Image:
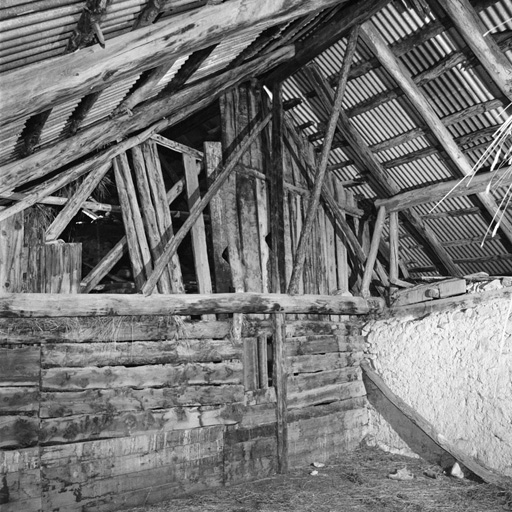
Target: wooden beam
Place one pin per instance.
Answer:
(394, 244)
(372, 253)
(83, 108)
(280, 378)
(76, 202)
(453, 188)
(25, 305)
(469, 25)
(88, 26)
(366, 160)
(381, 397)
(31, 134)
(314, 200)
(149, 13)
(396, 69)
(173, 244)
(72, 75)
(161, 112)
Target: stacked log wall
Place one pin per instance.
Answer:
(108, 414)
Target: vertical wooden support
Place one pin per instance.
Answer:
(341, 244)
(262, 361)
(221, 269)
(161, 203)
(374, 249)
(280, 382)
(251, 364)
(198, 232)
(136, 237)
(62, 268)
(11, 248)
(393, 247)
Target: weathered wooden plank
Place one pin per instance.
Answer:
(146, 444)
(250, 363)
(141, 376)
(138, 353)
(18, 431)
(312, 381)
(316, 410)
(62, 270)
(112, 424)
(136, 489)
(323, 362)
(323, 344)
(329, 393)
(279, 380)
(18, 399)
(45, 305)
(427, 292)
(106, 401)
(420, 434)
(11, 246)
(19, 366)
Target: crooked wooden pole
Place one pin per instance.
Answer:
(314, 201)
(393, 246)
(372, 253)
(173, 244)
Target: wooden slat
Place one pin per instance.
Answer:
(11, 247)
(197, 232)
(372, 253)
(19, 366)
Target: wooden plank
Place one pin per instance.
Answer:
(75, 202)
(263, 361)
(197, 232)
(106, 401)
(62, 270)
(313, 381)
(18, 399)
(20, 366)
(97, 426)
(11, 247)
(251, 363)
(428, 292)
(323, 362)
(179, 147)
(20, 431)
(394, 245)
(314, 411)
(420, 434)
(314, 200)
(107, 377)
(222, 272)
(138, 352)
(324, 344)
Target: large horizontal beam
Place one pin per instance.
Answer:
(56, 80)
(24, 305)
(453, 188)
(172, 110)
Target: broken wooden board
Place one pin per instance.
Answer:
(429, 291)
(419, 434)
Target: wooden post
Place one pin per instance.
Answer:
(393, 247)
(197, 232)
(279, 377)
(11, 247)
(320, 175)
(372, 254)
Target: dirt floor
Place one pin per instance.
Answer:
(358, 482)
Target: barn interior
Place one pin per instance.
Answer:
(241, 236)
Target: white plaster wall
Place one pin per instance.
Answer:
(454, 368)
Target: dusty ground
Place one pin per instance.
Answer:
(357, 483)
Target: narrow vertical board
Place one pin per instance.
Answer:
(222, 272)
(198, 233)
(342, 268)
(63, 267)
(11, 247)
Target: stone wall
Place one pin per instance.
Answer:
(454, 368)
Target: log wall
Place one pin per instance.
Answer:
(108, 414)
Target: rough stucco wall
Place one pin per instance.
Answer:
(454, 368)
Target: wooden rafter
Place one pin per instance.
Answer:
(31, 135)
(88, 26)
(129, 54)
(366, 160)
(469, 25)
(396, 69)
(149, 13)
(183, 104)
(314, 200)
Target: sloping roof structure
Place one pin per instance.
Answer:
(82, 81)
